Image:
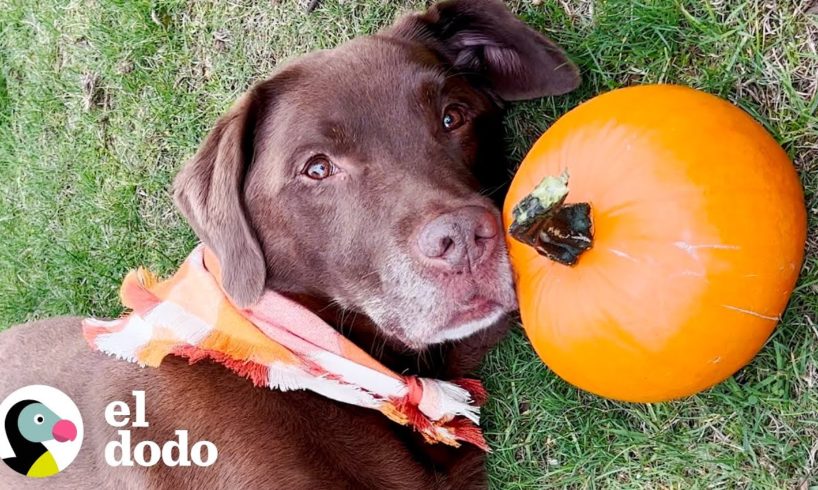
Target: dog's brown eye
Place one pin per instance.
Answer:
(453, 117)
(319, 168)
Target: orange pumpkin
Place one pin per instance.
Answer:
(685, 224)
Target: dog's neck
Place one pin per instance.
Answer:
(444, 361)
(363, 332)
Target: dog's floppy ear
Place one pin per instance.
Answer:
(209, 192)
(483, 37)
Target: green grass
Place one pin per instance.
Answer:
(101, 101)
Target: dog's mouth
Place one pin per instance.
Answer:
(452, 323)
(418, 309)
(478, 315)
(477, 310)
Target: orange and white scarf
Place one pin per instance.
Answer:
(279, 344)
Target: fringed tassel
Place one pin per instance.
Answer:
(414, 417)
(405, 411)
(449, 430)
(393, 414)
(444, 400)
(255, 372)
(464, 430)
(475, 389)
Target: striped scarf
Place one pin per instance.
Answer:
(279, 344)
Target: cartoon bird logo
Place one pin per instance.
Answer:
(28, 425)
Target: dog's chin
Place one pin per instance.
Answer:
(418, 312)
(467, 324)
(429, 331)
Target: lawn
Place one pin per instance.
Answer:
(102, 101)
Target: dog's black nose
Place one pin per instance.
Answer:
(460, 240)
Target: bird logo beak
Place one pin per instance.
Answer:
(64, 430)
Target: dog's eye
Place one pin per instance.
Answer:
(453, 117)
(39, 419)
(319, 168)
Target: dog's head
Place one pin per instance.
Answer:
(355, 174)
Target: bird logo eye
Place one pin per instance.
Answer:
(39, 419)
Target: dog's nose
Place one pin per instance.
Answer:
(459, 240)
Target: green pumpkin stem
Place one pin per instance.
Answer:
(559, 231)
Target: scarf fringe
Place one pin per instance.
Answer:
(451, 399)
(257, 373)
(405, 411)
(475, 388)
(467, 432)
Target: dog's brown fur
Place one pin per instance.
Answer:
(373, 107)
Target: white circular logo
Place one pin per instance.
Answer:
(41, 432)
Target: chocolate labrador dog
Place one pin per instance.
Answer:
(351, 180)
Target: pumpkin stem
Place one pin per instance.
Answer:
(559, 231)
